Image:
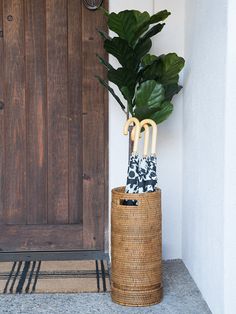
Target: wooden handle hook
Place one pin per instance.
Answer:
(154, 133)
(146, 137)
(137, 131)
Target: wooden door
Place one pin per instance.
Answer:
(53, 127)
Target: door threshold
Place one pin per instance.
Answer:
(54, 256)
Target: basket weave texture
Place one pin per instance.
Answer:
(136, 255)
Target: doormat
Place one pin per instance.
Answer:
(54, 277)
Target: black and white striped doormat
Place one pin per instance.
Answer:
(54, 277)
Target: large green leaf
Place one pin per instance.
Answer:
(127, 93)
(162, 113)
(172, 65)
(171, 80)
(156, 18)
(110, 89)
(164, 69)
(141, 17)
(144, 44)
(126, 23)
(159, 16)
(148, 59)
(123, 77)
(120, 49)
(131, 24)
(148, 99)
(152, 32)
(142, 48)
(153, 71)
(142, 24)
(171, 90)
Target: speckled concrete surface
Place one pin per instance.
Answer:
(181, 296)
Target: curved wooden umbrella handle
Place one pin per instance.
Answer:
(154, 133)
(137, 131)
(146, 137)
(133, 134)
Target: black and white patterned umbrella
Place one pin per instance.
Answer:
(148, 165)
(141, 176)
(133, 167)
(143, 165)
(133, 174)
(147, 178)
(150, 181)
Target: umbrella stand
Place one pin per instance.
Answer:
(136, 245)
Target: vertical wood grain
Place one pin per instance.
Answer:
(15, 118)
(75, 112)
(36, 104)
(105, 232)
(54, 126)
(56, 22)
(1, 116)
(94, 130)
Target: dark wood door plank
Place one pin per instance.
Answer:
(105, 145)
(15, 127)
(36, 102)
(75, 112)
(57, 111)
(2, 148)
(41, 238)
(94, 132)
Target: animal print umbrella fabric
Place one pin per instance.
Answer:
(147, 174)
(132, 178)
(143, 170)
(150, 180)
(133, 175)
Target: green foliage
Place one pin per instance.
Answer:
(147, 82)
(150, 93)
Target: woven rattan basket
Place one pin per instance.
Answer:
(136, 248)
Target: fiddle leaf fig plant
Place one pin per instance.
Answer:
(146, 81)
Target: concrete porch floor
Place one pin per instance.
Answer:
(181, 296)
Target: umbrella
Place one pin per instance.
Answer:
(143, 165)
(133, 167)
(148, 164)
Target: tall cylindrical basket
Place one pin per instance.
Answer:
(136, 250)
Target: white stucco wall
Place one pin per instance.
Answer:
(203, 147)
(196, 145)
(230, 167)
(170, 132)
